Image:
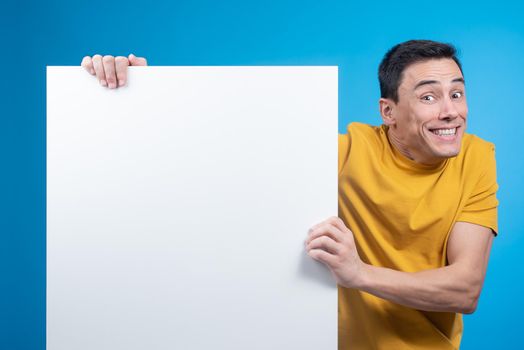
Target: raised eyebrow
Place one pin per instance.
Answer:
(425, 82)
(429, 82)
(459, 80)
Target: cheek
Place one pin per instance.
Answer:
(425, 116)
(462, 108)
(464, 111)
(422, 113)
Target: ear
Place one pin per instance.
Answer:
(386, 107)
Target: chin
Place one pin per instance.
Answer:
(450, 153)
(444, 149)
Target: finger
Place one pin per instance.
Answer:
(325, 230)
(99, 69)
(137, 61)
(121, 64)
(109, 69)
(334, 220)
(323, 256)
(87, 63)
(338, 222)
(325, 243)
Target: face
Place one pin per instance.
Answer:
(428, 121)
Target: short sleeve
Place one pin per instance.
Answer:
(344, 145)
(481, 206)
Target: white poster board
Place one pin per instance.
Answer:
(177, 208)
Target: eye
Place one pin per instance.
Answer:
(457, 95)
(428, 98)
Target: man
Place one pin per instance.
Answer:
(417, 205)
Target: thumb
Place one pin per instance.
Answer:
(137, 61)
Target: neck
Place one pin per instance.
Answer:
(403, 149)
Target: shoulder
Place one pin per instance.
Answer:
(359, 131)
(477, 155)
(356, 136)
(476, 149)
(357, 128)
(474, 144)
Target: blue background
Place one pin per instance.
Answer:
(352, 35)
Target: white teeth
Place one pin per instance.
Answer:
(441, 132)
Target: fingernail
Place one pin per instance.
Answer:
(103, 82)
(121, 82)
(112, 85)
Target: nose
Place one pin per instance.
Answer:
(448, 109)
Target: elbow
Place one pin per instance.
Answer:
(470, 301)
(469, 308)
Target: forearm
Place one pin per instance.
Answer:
(452, 288)
(443, 289)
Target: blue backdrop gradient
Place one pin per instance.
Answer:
(350, 34)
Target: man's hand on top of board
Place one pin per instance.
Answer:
(111, 71)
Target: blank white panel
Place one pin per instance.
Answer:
(178, 205)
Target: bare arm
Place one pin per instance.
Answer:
(453, 288)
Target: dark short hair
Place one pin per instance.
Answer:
(400, 56)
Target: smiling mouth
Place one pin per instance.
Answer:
(445, 132)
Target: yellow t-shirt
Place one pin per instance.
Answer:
(401, 214)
